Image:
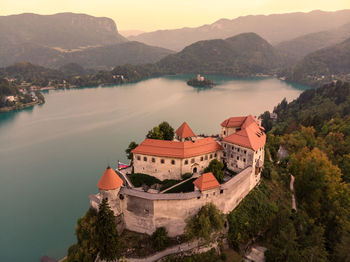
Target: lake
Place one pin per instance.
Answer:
(52, 155)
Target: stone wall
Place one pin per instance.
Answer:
(144, 212)
(172, 168)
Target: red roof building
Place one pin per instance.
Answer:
(206, 181)
(249, 135)
(184, 131)
(176, 149)
(109, 180)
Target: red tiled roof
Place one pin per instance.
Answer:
(184, 131)
(165, 148)
(206, 181)
(250, 136)
(109, 180)
(234, 121)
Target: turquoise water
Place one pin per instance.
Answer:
(52, 156)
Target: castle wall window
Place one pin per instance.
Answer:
(233, 148)
(206, 157)
(243, 159)
(138, 158)
(186, 162)
(162, 161)
(224, 132)
(231, 156)
(237, 157)
(237, 149)
(224, 145)
(215, 154)
(221, 191)
(211, 156)
(173, 162)
(153, 160)
(144, 158)
(224, 154)
(192, 160)
(245, 151)
(201, 158)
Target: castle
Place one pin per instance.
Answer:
(240, 145)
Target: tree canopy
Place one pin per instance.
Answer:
(217, 168)
(163, 131)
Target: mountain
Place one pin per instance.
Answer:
(128, 33)
(274, 28)
(61, 31)
(241, 55)
(301, 46)
(324, 63)
(55, 40)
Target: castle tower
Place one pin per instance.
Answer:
(184, 133)
(109, 186)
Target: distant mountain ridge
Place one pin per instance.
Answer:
(324, 63)
(55, 40)
(274, 28)
(241, 55)
(301, 46)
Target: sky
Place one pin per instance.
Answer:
(150, 15)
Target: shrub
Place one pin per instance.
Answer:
(139, 179)
(186, 176)
(208, 220)
(160, 238)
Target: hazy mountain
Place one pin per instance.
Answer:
(244, 54)
(128, 33)
(55, 40)
(299, 47)
(324, 62)
(274, 28)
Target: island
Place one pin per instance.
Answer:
(200, 81)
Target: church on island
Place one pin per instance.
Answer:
(240, 146)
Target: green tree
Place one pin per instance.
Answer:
(131, 147)
(160, 238)
(167, 130)
(162, 132)
(107, 234)
(208, 220)
(86, 249)
(217, 168)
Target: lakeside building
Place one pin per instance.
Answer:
(240, 145)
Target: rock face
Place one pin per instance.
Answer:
(64, 30)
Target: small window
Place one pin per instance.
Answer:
(221, 191)
(224, 154)
(211, 156)
(233, 148)
(153, 160)
(207, 195)
(144, 158)
(192, 160)
(224, 145)
(138, 158)
(173, 162)
(206, 157)
(201, 158)
(231, 156)
(215, 155)
(237, 157)
(236, 166)
(237, 149)
(245, 151)
(224, 132)
(186, 162)
(243, 159)
(162, 161)
(213, 193)
(199, 197)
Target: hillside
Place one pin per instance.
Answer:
(63, 30)
(324, 63)
(241, 55)
(274, 28)
(54, 40)
(301, 46)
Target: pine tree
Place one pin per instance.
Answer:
(107, 234)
